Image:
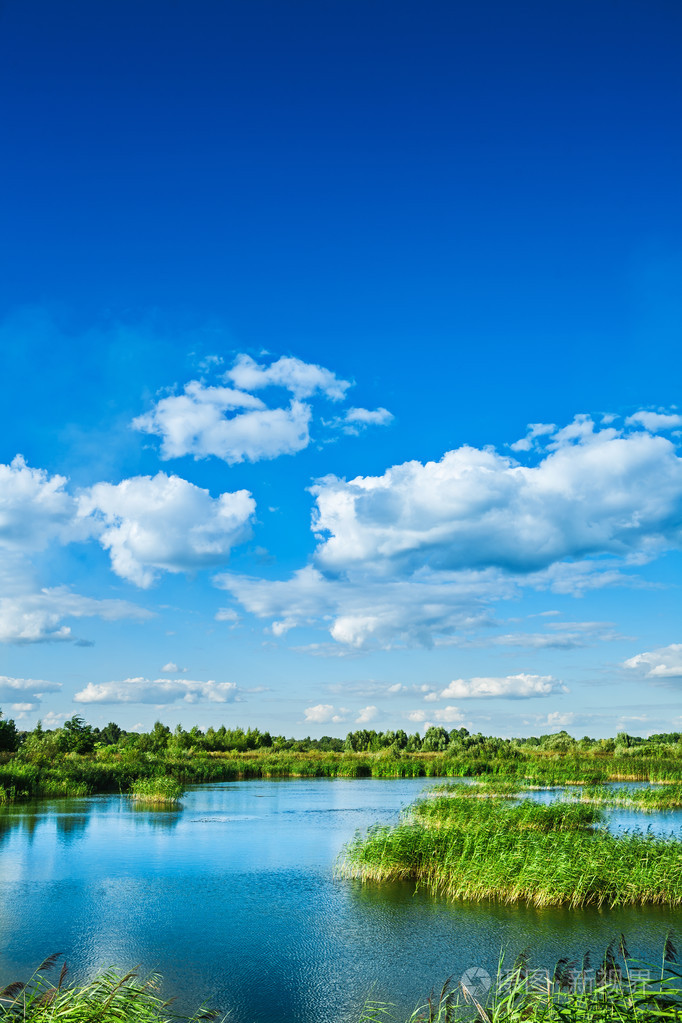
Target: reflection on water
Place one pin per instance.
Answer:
(233, 898)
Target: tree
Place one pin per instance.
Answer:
(76, 736)
(9, 740)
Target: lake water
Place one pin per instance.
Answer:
(233, 899)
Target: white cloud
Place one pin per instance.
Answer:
(54, 720)
(163, 523)
(535, 430)
(654, 421)
(448, 715)
(226, 614)
(418, 716)
(356, 420)
(196, 423)
(665, 662)
(322, 713)
(366, 714)
(520, 686)
(35, 509)
(374, 613)
(556, 720)
(302, 379)
(594, 494)
(159, 692)
(418, 554)
(172, 669)
(445, 716)
(25, 694)
(32, 615)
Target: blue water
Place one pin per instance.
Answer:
(233, 899)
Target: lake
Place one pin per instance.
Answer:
(233, 899)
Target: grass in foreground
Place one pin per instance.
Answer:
(109, 998)
(552, 855)
(618, 990)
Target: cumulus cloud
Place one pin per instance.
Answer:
(366, 715)
(234, 424)
(159, 692)
(416, 611)
(164, 523)
(516, 687)
(665, 662)
(35, 508)
(25, 694)
(418, 554)
(530, 441)
(654, 421)
(197, 423)
(322, 713)
(356, 420)
(301, 379)
(445, 716)
(556, 720)
(594, 494)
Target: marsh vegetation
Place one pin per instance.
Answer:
(553, 855)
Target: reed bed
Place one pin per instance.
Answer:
(617, 989)
(649, 800)
(463, 848)
(109, 998)
(114, 770)
(159, 791)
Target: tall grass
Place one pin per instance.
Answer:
(160, 790)
(651, 800)
(464, 848)
(79, 775)
(618, 989)
(109, 998)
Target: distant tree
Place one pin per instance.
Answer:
(76, 736)
(110, 734)
(9, 740)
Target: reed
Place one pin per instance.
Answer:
(464, 848)
(618, 989)
(651, 800)
(109, 998)
(161, 791)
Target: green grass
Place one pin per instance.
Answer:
(161, 790)
(618, 989)
(109, 998)
(649, 800)
(479, 849)
(112, 770)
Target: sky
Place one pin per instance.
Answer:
(340, 364)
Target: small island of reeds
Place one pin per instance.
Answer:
(477, 849)
(159, 791)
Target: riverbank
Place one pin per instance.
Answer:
(112, 770)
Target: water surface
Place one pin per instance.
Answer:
(233, 898)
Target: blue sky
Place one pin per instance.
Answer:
(283, 286)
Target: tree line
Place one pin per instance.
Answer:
(76, 736)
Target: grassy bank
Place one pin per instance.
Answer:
(112, 770)
(478, 849)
